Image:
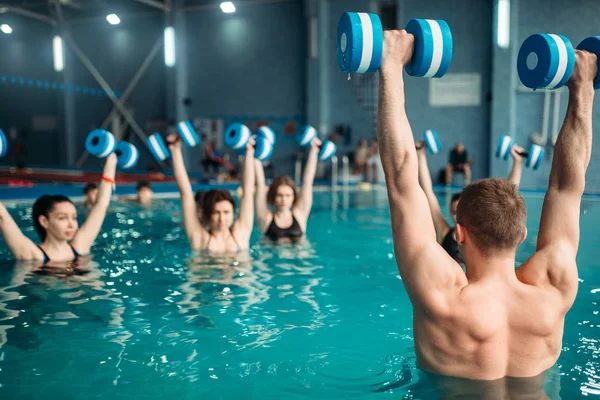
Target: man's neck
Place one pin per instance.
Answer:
(482, 266)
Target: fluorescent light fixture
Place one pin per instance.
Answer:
(227, 7)
(6, 29)
(57, 51)
(169, 46)
(113, 19)
(503, 24)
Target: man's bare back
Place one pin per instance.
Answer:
(492, 321)
(489, 329)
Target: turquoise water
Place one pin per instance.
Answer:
(327, 319)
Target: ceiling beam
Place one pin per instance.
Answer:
(156, 4)
(26, 13)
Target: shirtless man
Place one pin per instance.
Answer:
(492, 321)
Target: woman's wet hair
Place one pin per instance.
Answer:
(212, 197)
(43, 206)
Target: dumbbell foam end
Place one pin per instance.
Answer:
(3, 144)
(504, 147)
(188, 133)
(100, 143)
(157, 147)
(432, 52)
(237, 136)
(328, 150)
(127, 155)
(432, 141)
(592, 44)
(535, 156)
(267, 133)
(305, 136)
(263, 149)
(359, 42)
(545, 61)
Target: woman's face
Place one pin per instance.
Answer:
(221, 217)
(284, 197)
(61, 222)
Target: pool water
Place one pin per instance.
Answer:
(326, 319)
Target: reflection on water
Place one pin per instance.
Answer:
(431, 386)
(58, 296)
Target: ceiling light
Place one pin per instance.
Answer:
(227, 7)
(113, 19)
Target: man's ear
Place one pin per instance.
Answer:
(524, 236)
(460, 234)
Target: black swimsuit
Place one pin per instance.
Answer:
(47, 259)
(294, 232)
(451, 246)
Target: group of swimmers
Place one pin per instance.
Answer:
(209, 218)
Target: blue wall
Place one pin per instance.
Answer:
(248, 65)
(255, 64)
(524, 115)
(116, 51)
(27, 54)
(354, 101)
(471, 54)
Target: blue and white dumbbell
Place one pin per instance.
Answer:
(305, 136)
(360, 45)
(430, 137)
(188, 133)
(101, 143)
(3, 144)
(267, 133)
(237, 136)
(546, 61)
(533, 157)
(157, 145)
(127, 155)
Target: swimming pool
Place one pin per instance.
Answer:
(328, 319)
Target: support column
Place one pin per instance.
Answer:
(504, 83)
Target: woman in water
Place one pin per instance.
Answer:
(222, 235)
(287, 223)
(55, 221)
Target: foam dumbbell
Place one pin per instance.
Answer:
(237, 136)
(533, 157)
(188, 134)
(305, 136)
(546, 61)
(157, 145)
(430, 137)
(360, 45)
(101, 143)
(127, 155)
(267, 133)
(263, 148)
(3, 144)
